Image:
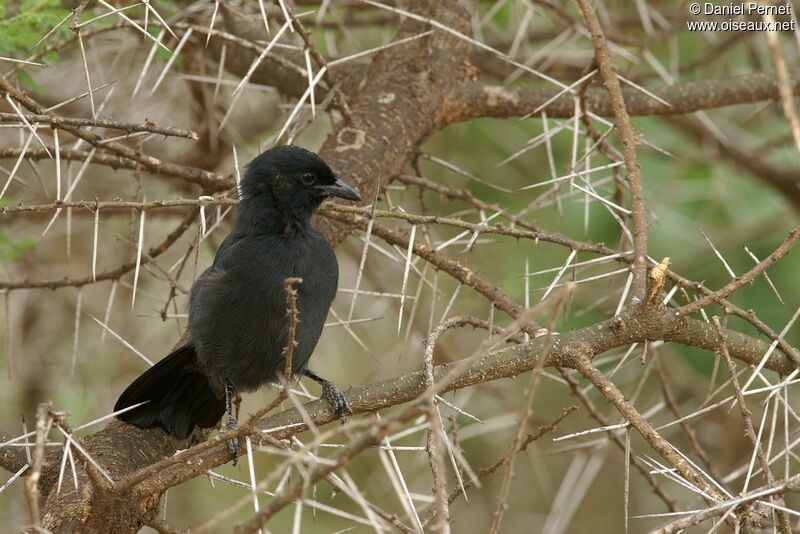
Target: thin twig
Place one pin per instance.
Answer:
(777, 488)
(521, 447)
(744, 279)
(783, 79)
(367, 439)
(56, 121)
(645, 429)
(339, 97)
(629, 141)
(291, 343)
(524, 415)
(783, 524)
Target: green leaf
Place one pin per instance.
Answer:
(12, 250)
(30, 23)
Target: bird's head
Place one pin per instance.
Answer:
(292, 182)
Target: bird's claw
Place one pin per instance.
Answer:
(233, 443)
(337, 400)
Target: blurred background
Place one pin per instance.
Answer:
(700, 203)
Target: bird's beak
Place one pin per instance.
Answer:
(340, 189)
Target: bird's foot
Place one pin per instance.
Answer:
(337, 400)
(233, 443)
(332, 394)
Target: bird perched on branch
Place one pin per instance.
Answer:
(238, 321)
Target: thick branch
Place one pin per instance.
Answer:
(396, 106)
(622, 331)
(477, 99)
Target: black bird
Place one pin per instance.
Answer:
(238, 324)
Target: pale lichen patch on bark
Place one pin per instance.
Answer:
(350, 139)
(497, 95)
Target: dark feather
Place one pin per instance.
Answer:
(177, 395)
(237, 308)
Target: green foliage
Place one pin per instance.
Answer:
(161, 54)
(32, 21)
(11, 249)
(30, 83)
(21, 29)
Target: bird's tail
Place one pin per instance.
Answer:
(176, 394)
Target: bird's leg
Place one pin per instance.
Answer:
(231, 424)
(332, 394)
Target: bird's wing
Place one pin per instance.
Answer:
(213, 275)
(238, 313)
(226, 250)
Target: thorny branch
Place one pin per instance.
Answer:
(479, 99)
(629, 140)
(783, 520)
(392, 99)
(745, 279)
(291, 312)
(129, 127)
(776, 488)
(646, 430)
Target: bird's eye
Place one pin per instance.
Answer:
(308, 178)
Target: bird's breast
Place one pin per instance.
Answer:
(238, 319)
